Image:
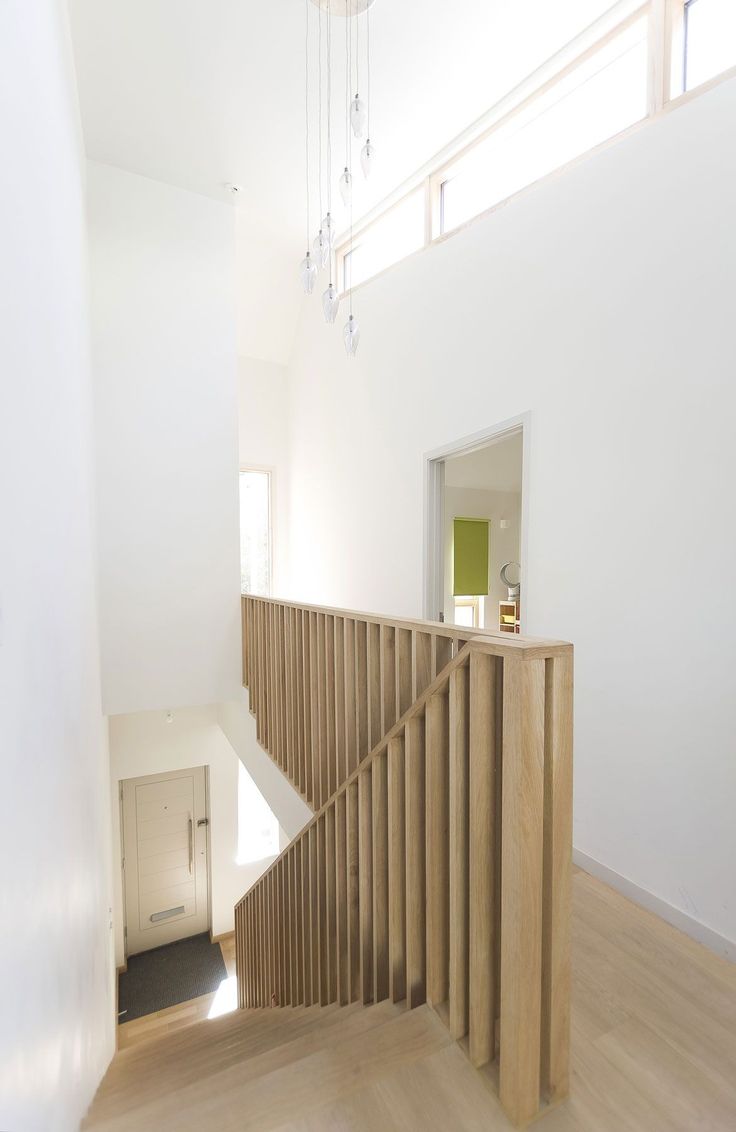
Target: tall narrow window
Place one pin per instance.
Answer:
(255, 532)
(596, 100)
(710, 40)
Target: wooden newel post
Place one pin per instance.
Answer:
(536, 862)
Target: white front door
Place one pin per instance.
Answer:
(165, 858)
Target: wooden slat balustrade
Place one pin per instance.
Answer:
(438, 865)
(325, 685)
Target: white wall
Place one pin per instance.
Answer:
(56, 975)
(164, 355)
(505, 543)
(263, 438)
(602, 302)
(144, 743)
(239, 727)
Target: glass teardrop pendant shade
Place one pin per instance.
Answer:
(351, 336)
(328, 229)
(346, 187)
(358, 115)
(367, 154)
(330, 303)
(308, 273)
(321, 248)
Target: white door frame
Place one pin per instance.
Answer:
(434, 487)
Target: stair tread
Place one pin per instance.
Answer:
(275, 1085)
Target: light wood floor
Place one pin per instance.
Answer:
(654, 1050)
(176, 1017)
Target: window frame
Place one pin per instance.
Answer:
(346, 246)
(269, 472)
(469, 602)
(666, 64)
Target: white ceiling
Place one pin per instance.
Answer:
(196, 94)
(497, 467)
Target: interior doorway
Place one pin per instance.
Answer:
(165, 858)
(475, 529)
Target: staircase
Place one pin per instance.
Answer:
(437, 867)
(405, 963)
(379, 1067)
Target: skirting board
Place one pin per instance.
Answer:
(680, 920)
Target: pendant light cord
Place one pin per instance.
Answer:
(357, 53)
(319, 111)
(306, 106)
(329, 129)
(348, 78)
(348, 140)
(368, 73)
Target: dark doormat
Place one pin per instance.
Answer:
(170, 974)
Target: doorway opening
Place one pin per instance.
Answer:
(475, 529)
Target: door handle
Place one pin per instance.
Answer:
(191, 845)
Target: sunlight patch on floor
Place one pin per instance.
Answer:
(226, 998)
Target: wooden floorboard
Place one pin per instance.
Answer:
(653, 1050)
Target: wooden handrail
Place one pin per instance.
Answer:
(440, 870)
(326, 685)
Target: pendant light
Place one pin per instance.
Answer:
(367, 152)
(366, 158)
(330, 297)
(308, 273)
(346, 187)
(351, 331)
(330, 303)
(358, 116)
(307, 268)
(351, 336)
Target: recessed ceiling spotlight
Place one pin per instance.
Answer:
(234, 190)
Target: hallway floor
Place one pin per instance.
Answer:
(653, 1050)
(185, 1013)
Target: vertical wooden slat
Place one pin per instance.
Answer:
(422, 662)
(557, 879)
(341, 898)
(322, 710)
(498, 693)
(298, 960)
(339, 678)
(404, 671)
(351, 751)
(283, 691)
(521, 886)
(459, 852)
(374, 684)
(307, 706)
(352, 826)
(415, 862)
(314, 710)
(324, 955)
(331, 912)
(361, 699)
(314, 914)
(482, 778)
(379, 801)
(330, 722)
(442, 653)
(306, 904)
(365, 825)
(438, 816)
(397, 870)
(296, 651)
(388, 678)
